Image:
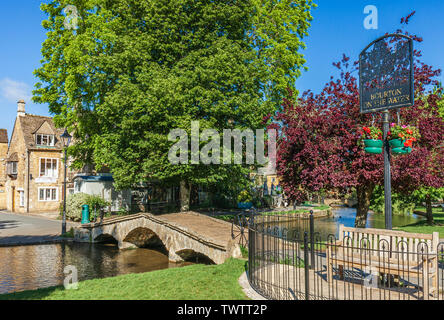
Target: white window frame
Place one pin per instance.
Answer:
(22, 198)
(44, 174)
(10, 167)
(50, 194)
(50, 138)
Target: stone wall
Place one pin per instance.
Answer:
(3, 155)
(28, 175)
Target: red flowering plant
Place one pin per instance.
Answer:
(408, 134)
(372, 133)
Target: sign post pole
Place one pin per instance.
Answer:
(387, 173)
(386, 82)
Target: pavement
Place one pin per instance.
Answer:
(20, 229)
(248, 289)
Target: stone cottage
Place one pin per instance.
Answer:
(34, 164)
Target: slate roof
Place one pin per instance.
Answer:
(3, 136)
(31, 123)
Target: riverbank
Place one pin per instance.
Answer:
(320, 211)
(195, 282)
(423, 227)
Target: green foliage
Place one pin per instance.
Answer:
(244, 251)
(404, 132)
(226, 217)
(268, 201)
(74, 203)
(439, 91)
(244, 196)
(401, 204)
(136, 69)
(419, 196)
(69, 234)
(123, 212)
(371, 133)
(97, 203)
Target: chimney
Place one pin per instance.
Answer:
(21, 107)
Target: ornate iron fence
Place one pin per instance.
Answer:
(289, 260)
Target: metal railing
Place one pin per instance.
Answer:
(289, 260)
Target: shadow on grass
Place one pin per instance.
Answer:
(436, 223)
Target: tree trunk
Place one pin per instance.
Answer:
(364, 194)
(185, 194)
(429, 210)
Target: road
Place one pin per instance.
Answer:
(18, 229)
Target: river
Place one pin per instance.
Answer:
(343, 215)
(39, 266)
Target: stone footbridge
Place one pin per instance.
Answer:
(182, 236)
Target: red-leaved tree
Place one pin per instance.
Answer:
(319, 149)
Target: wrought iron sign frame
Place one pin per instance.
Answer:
(411, 92)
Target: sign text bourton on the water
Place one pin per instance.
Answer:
(386, 74)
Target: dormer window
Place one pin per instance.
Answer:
(45, 140)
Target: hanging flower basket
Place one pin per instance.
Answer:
(402, 138)
(396, 143)
(402, 150)
(400, 146)
(372, 138)
(373, 143)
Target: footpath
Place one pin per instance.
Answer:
(20, 229)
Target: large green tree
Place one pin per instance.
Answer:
(135, 69)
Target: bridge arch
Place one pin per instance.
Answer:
(106, 238)
(143, 237)
(190, 255)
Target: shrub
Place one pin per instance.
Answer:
(123, 212)
(244, 196)
(74, 203)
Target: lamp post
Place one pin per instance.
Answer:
(66, 139)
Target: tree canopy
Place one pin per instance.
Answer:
(135, 69)
(320, 149)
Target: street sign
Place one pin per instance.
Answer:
(386, 74)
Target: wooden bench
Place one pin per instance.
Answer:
(395, 253)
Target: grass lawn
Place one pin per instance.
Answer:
(423, 227)
(195, 282)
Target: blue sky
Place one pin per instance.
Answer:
(337, 28)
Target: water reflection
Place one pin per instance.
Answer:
(346, 216)
(39, 266)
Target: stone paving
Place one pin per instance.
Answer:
(206, 226)
(19, 229)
